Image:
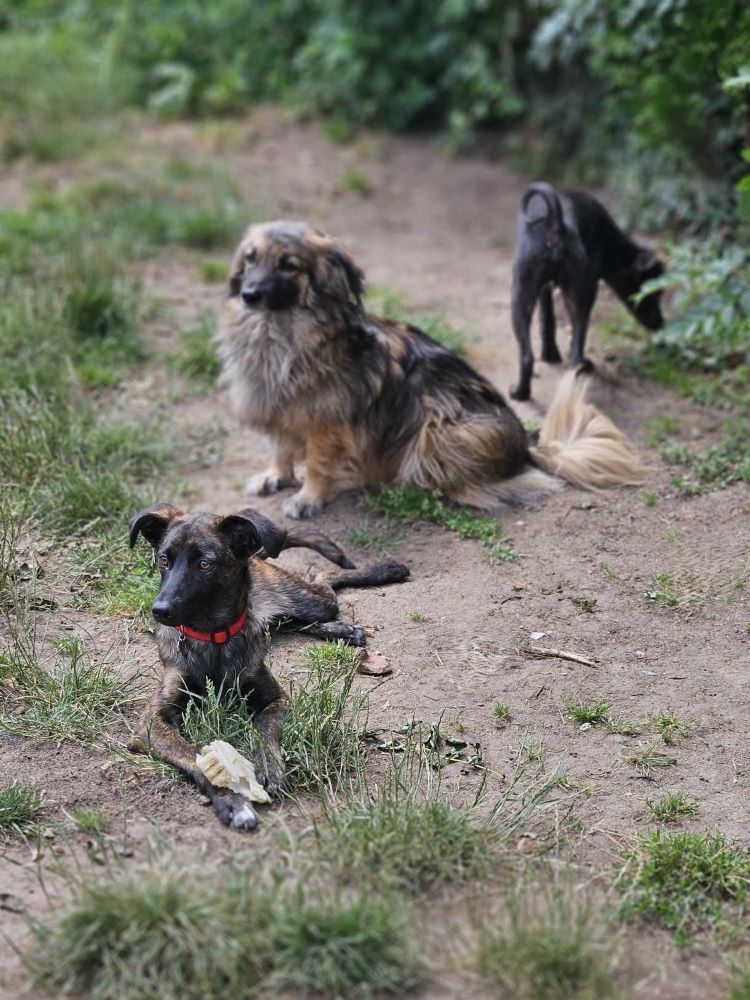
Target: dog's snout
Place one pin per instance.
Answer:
(162, 611)
(252, 295)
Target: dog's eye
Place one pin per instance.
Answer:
(163, 561)
(287, 263)
(250, 256)
(204, 564)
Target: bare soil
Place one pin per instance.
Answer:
(440, 232)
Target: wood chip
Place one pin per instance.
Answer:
(374, 664)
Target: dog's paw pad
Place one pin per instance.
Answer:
(299, 507)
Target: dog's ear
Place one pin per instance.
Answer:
(237, 268)
(338, 277)
(248, 531)
(153, 523)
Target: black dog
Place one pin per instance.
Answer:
(570, 240)
(217, 598)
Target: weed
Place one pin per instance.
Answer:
(162, 934)
(197, 359)
(740, 985)
(724, 463)
(91, 821)
(365, 536)
(320, 736)
(547, 953)
(115, 580)
(682, 881)
(219, 715)
(593, 712)
(647, 757)
(74, 699)
(621, 727)
(672, 807)
(354, 181)
(20, 807)
(669, 726)
(532, 749)
(662, 590)
(649, 498)
(417, 616)
(502, 712)
(406, 504)
(586, 605)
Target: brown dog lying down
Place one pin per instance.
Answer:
(366, 400)
(217, 598)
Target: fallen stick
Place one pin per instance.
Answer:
(525, 648)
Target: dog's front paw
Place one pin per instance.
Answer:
(263, 484)
(520, 392)
(269, 769)
(551, 355)
(300, 506)
(235, 811)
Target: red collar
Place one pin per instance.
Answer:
(217, 636)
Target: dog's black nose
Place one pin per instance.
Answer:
(162, 612)
(252, 295)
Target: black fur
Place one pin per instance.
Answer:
(570, 240)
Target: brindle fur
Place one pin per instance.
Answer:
(211, 568)
(364, 400)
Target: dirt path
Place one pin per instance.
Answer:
(440, 232)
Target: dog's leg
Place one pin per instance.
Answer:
(159, 733)
(550, 353)
(266, 700)
(524, 296)
(325, 453)
(579, 301)
(280, 473)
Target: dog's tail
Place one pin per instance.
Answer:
(306, 538)
(581, 445)
(541, 205)
(578, 444)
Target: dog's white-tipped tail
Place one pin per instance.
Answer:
(581, 445)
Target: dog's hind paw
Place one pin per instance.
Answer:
(520, 392)
(299, 506)
(263, 484)
(387, 571)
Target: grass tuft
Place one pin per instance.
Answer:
(594, 713)
(20, 807)
(165, 935)
(672, 807)
(682, 881)
(552, 954)
(669, 726)
(407, 504)
(647, 757)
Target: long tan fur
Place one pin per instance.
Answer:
(578, 444)
(581, 445)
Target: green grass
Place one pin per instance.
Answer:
(115, 580)
(196, 357)
(649, 498)
(662, 592)
(586, 605)
(501, 712)
(672, 807)
(320, 736)
(383, 539)
(593, 712)
(686, 882)
(740, 985)
(669, 726)
(213, 270)
(73, 698)
(727, 461)
(408, 504)
(20, 808)
(548, 953)
(354, 181)
(647, 757)
(90, 821)
(160, 934)
(417, 616)
(621, 727)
